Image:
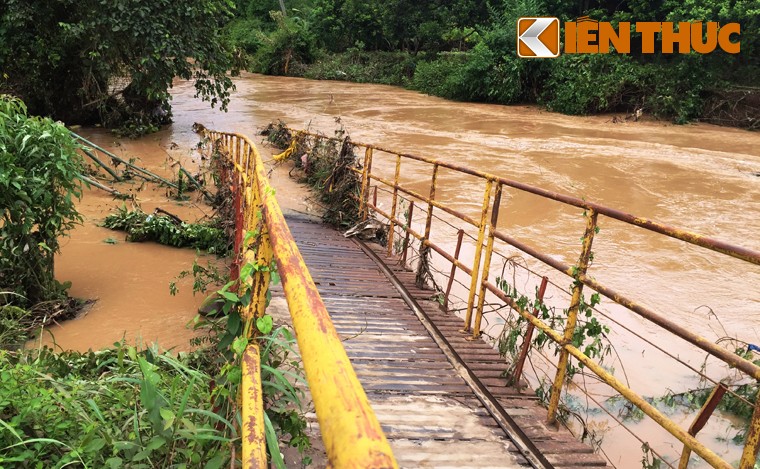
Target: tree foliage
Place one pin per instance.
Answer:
(112, 60)
(466, 50)
(39, 165)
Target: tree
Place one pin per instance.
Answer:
(39, 168)
(111, 61)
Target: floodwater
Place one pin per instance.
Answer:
(701, 178)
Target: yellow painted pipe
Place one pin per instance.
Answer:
(350, 430)
(254, 441)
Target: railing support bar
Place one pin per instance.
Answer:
(478, 250)
(517, 374)
(487, 262)
(572, 315)
(452, 274)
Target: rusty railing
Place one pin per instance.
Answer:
(350, 430)
(488, 233)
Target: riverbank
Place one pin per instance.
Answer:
(611, 86)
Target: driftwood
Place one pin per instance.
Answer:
(144, 173)
(100, 186)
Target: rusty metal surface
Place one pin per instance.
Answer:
(351, 433)
(428, 412)
(577, 272)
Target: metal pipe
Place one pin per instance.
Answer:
(409, 214)
(101, 164)
(476, 261)
(487, 262)
(391, 231)
(363, 211)
(517, 374)
(752, 441)
(572, 315)
(350, 430)
(452, 274)
(702, 417)
(252, 419)
(125, 162)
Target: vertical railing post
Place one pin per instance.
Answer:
(364, 198)
(393, 205)
(702, 417)
(478, 250)
(517, 374)
(409, 214)
(374, 197)
(749, 455)
(572, 314)
(421, 265)
(452, 274)
(487, 261)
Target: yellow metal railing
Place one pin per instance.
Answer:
(350, 430)
(488, 234)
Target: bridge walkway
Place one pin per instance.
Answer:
(426, 405)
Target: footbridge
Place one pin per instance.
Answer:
(402, 373)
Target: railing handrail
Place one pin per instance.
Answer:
(488, 233)
(352, 435)
(707, 242)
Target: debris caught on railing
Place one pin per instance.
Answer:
(367, 230)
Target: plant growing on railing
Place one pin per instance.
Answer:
(281, 373)
(590, 336)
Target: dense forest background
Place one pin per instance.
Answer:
(465, 50)
(113, 61)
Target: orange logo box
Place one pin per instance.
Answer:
(538, 38)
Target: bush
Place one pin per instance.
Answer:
(585, 84)
(39, 169)
(245, 34)
(140, 227)
(388, 68)
(110, 409)
(289, 44)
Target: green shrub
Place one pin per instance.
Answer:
(388, 68)
(288, 46)
(245, 34)
(590, 83)
(109, 409)
(39, 168)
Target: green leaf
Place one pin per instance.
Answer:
(114, 463)
(239, 345)
(264, 324)
(168, 417)
(229, 296)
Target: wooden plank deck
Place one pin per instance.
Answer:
(430, 415)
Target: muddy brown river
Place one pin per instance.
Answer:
(698, 177)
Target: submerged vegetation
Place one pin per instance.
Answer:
(466, 50)
(168, 230)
